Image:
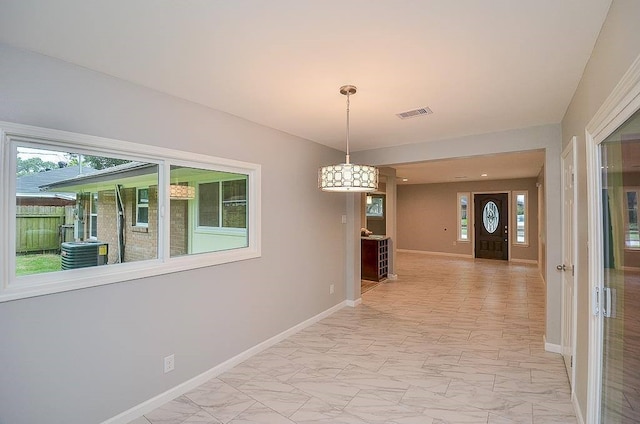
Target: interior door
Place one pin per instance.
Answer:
(619, 293)
(568, 265)
(491, 226)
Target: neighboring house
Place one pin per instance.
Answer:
(28, 192)
(45, 219)
(119, 206)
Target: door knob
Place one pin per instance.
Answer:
(562, 267)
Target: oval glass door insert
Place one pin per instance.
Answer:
(490, 216)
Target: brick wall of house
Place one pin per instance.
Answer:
(179, 236)
(107, 224)
(141, 243)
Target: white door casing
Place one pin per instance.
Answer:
(623, 102)
(569, 249)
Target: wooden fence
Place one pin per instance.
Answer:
(43, 228)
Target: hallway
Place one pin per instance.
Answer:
(451, 341)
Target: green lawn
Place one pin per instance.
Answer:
(36, 264)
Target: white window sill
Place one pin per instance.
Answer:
(74, 279)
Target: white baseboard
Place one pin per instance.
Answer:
(555, 348)
(462, 255)
(426, 252)
(157, 401)
(630, 268)
(550, 347)
(353, 303)
(524, 261)
(392, 277)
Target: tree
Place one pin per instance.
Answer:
(100, 162)
(72, 159)
(95, 162)
(33, 166)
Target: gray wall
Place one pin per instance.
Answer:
(547, 137)
(428, 213)
(87, 355)
(618, 45)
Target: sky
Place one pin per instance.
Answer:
(45, 155)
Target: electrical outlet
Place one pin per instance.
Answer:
(344, 219)
(169, 363)
(332, 289)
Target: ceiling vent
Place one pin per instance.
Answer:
(413, 113)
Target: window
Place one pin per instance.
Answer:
(631, 236)
(209, 205)
(375, 206)
(93, 224)
(463, 213)
(521, 217)
(142, 207)
(209, 210)
(133, 210)
(234, 204)
(223, 204)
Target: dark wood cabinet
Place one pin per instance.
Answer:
(374, 253)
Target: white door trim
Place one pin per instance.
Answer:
(570, 149)
(623, 102)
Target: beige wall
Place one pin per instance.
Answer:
(544, 137)
(618, 45)
(427, 216)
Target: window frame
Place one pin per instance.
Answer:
(459, 217)
(220, 227)
(13, 287)
(514, 232)
(142, 206)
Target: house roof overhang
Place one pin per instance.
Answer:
(130, 174)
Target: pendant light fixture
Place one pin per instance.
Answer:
(348, 176)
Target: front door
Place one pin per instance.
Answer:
(491, 226)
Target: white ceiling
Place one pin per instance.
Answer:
(481, 66)
(476, 168)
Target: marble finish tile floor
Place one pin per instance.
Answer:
(366, 285)
(450, 341)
